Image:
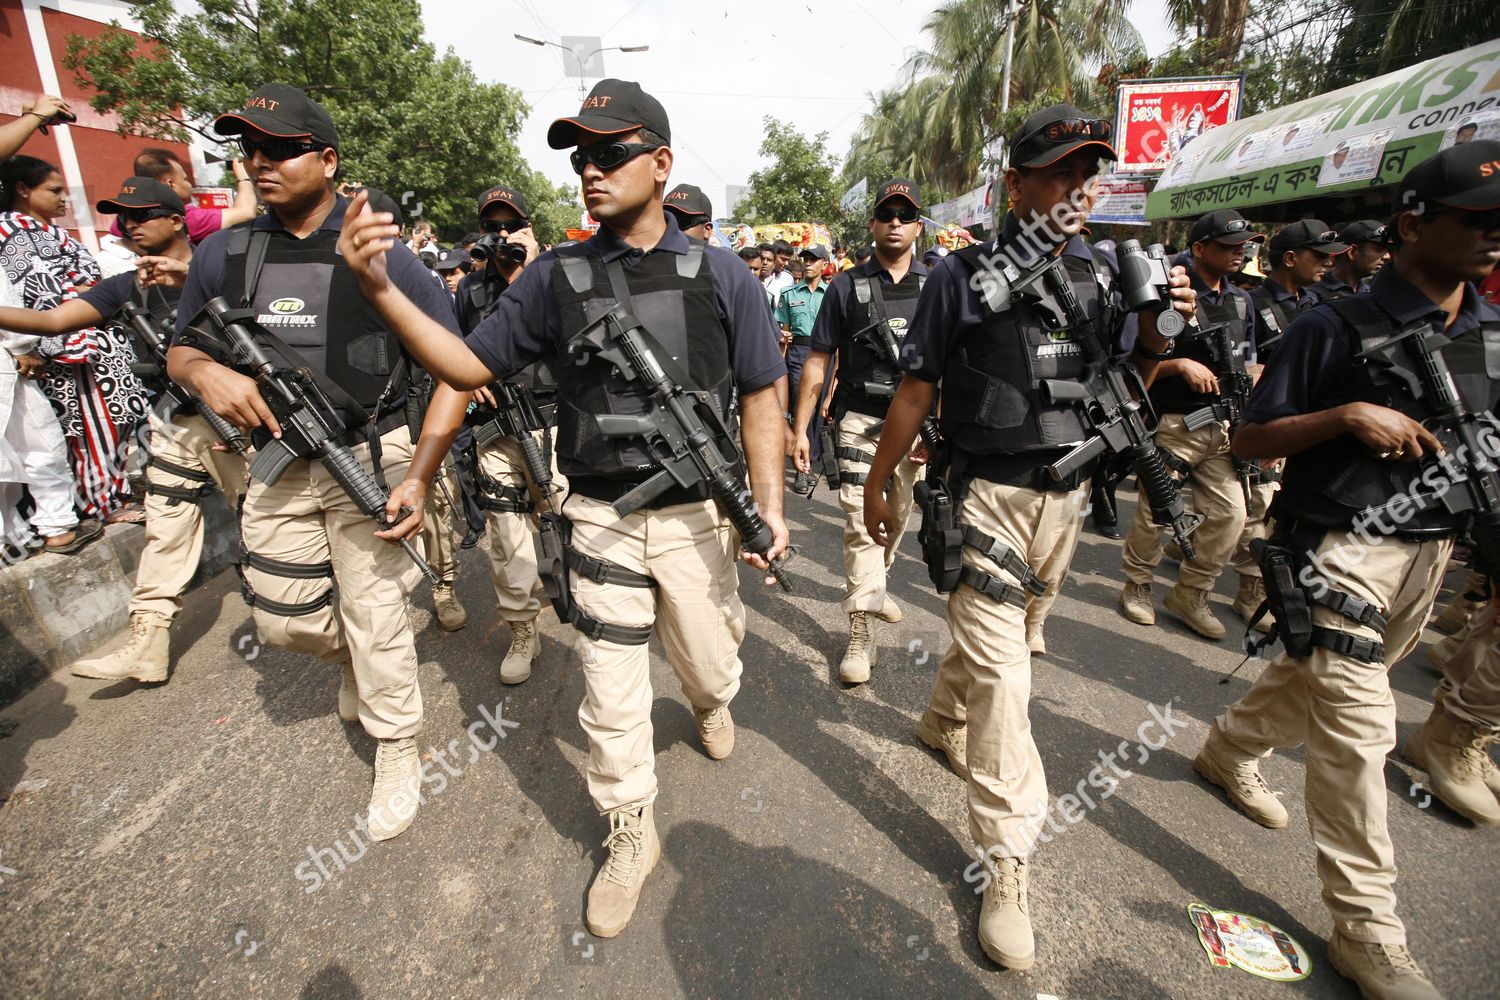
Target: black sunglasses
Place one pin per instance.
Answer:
(906, 214)
(1483, 220)
(1061, 131)
(277, 149)
(1230, 228)
(506, 226)
(143, 215)
(609, 155)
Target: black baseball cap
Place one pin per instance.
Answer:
(688, 200)
(1465, 176)
(1309, 234)
(449, 260)
(1363, 231)
(1224, 226)
(813, 250)
(613, 107)
(382, 202)
(284, 111)
(504, 196)
(141, 192)
(1048, 135)
(899, 187)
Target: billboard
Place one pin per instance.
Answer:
(1156, 119)
(1365, 136)
(1120, 201)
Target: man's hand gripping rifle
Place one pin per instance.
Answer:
(1234, 390)
(311, 425)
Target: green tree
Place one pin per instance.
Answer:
(418, 125)
(799, 185)
(1383, 36)
(554, 207)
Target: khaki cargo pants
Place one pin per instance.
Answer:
(1343, 710)
(691, 551)
(512, 535)
(182, 459)
(1470, 688)
(303, 536)
(865, 563)
(1217, 495)
(984, 678)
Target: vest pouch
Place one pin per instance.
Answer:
(371, 354)
(999, 404)
(1492, 353)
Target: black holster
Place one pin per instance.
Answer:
(941, 536)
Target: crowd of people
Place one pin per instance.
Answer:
(617, 417)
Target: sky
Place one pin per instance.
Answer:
(716, 68)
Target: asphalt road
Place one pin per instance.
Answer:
(159, 842)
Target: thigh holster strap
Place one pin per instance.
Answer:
(292, 571)
(179, 494)
(855, 455)
(851, 478)
(992, 586)
(604, 572)
(1005, 557)
(505, 499)
(1345, 644)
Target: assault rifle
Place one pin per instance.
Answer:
(683, 430)
(311, 425)
(1427, 377)
(149, 331)
(1234, 389)
(1114, 404)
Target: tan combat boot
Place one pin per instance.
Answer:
(1135, 603)
(1459, 610)
(949, 738)
(524, 646)
(348, 694)
(633, 852)
(1454, 754)
(858, 658)
(1036, 645)
(144, 657)
(1239, 775)
(716, 730)
(1382, 971)
(398, 784)
(1004, 918)
(450, 614)
(1249, 597)
(890, 611)
(1191, 605)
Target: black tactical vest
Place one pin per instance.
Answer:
(1172, 393)
(861, 367)
(476, 301)
(991, 398)
(1331, 483)
(673, 296)
(305, 295)
(161, 303)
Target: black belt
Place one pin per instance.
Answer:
(1028, 471)
(866, 406)
(610, 490)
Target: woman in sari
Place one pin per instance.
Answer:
(87, 377)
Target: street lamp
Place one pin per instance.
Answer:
(582, 59)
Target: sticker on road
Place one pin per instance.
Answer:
(1249, 943)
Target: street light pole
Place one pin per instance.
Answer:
(581, 59)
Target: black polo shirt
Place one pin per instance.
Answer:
(828, 329)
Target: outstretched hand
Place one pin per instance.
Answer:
(363, 243)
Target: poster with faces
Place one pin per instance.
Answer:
(1480, 126)
(1356, 158)
(1297, 139)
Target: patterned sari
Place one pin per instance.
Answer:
(88, 379)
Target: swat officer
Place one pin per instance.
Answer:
(670, 563)
(991, 345)
(1359, 527)
(1352, 270)
(507, 247)
(183, 465)
(1190, 392)
(883, 290)
(303, 534)
(695, 213)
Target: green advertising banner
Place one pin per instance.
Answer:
(1365, 136)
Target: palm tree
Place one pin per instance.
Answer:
(937, 120)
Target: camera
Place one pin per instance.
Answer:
(1145, 284)
(59, 117)
(495, 245)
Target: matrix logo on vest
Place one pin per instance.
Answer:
(1061, 345)
(286, 313)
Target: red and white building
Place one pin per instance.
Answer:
(92, 155)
